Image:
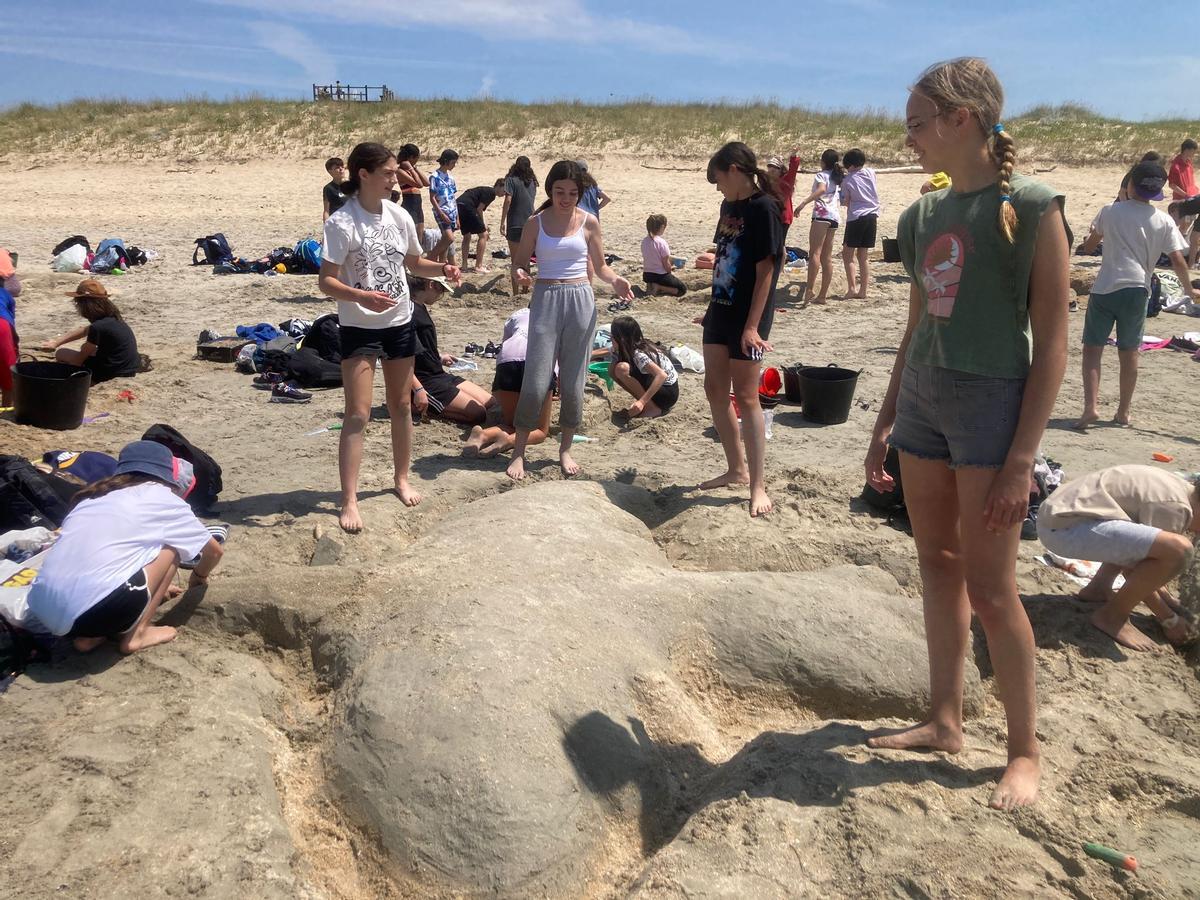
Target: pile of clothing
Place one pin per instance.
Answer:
(111, 257)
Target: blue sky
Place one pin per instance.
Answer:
(843, 54)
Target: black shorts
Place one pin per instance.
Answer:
(665, 397)
(724, 325)
(117, 613)
(412, 205)
(513, 235)
(861, 232)
(1184, 208)
(668, 281)
(510, 375)
(441, 389)
(394, 342)
(469, 220)
(832, 223)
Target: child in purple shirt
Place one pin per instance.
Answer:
(860, 196)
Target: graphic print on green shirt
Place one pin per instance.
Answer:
(974, 284)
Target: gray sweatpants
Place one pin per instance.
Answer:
(562, 321)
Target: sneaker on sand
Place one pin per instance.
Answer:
(287, 392)
(267, 380)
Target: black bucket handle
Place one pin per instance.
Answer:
(836, 366)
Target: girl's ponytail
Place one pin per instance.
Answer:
(831, 164)
(1005, 151)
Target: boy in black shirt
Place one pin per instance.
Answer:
(436, 391)
(332, 197)
(471, 205)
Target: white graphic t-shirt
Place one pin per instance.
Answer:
(370, 250)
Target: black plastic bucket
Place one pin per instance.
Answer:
(791, 383)
(828, 393)
(50, 394)
(891, 250)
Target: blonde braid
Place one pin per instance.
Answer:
(1005, 151)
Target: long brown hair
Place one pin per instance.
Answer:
(114, 483)
(566, 170)
(369, 156)
(735, 153)
(969, 83)
(93, 308)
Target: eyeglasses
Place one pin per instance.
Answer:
(912, 126)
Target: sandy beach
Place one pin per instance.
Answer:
(211, 767)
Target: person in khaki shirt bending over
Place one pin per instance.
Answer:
(1135, 520)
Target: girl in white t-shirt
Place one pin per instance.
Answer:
(825, 220)
(368, 244)
(643, 370)
(120, 548)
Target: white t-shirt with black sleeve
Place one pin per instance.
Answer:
(643, 360)
(107, 540)
(370, 250)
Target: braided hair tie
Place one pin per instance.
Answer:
(997, 128)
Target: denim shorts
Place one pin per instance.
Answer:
(962, 418)
(1125, 308)
(1113, 541)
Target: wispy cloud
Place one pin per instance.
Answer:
(288, 42)
(487, 85)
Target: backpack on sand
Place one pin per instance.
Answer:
(890, 502)
(205, 468)
(215, 250)
(308, 257)
(29, 497)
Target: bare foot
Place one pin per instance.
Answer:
(1088, 418)
(817, 301)
(1181, 633)
(349, 519)
(87, 644)
(483, 270)
(1126, 634)
(474, 442)
(725, 480)
(567, 463)
(760, 504)
(1121, 421)
(150, 636)
(926, 736)
(174, 591)
(516, 468)
(1018, 785)
(405, 492)
(496, 447)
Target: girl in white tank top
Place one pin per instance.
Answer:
(562, 310)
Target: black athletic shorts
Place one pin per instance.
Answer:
(412, 205)
(1183, 208)
(832, 223)
(441, 389)
(509, 376)
(513, 235)
(469, 220)
(861, 232)
(668, 281)
(117, 613)
(394, 342)
(665, 397)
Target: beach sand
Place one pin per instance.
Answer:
(1119, 729)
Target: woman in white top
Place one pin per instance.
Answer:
(562, 310)
(120, 547)
(368, 244)
(825, 219)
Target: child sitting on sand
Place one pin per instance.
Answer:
(435, 390)
(109, 348)
(656, 260)
(1135, 234)
(506, 389)
(1132, 519)
(643, 369)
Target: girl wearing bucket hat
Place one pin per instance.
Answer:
(120, 547)
(109, 349)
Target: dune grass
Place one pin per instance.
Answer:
(194, 130)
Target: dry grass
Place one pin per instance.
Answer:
(198, 129)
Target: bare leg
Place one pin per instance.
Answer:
(933, 512)
(158, 578)
(864, 272)
(816, 238)
(1091, 385)
(1128, 360)
(397, 376)
(848, 264)
(69, 356)
(746, 375)
(1100, 588)
(358, 378)
(480, 250)
(466, 253)
(1166, 559)
(826, 264)
(718, 379)
(476, 440)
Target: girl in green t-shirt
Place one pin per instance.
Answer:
(975, 380)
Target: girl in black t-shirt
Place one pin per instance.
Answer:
(109, 349)
(749, 242)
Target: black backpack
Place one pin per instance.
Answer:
(136, 255)
(29, 498)
(215, 250)
(208, 473)
(890, 502)
(325, 338)
(308, 369)
(17, 649)
(71, 242)
(1154, 303)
